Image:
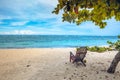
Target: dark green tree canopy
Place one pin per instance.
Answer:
(97, 11)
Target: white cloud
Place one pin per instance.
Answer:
(40, 11)
(4, 17)
(18, 23)
(27, 9)
(19, 32)
(49, 2)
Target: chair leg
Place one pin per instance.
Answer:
(83, 63)
(77, 64)
(71, 56)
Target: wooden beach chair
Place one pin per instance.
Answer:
(79, 56)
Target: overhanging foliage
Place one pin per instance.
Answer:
(97, 11)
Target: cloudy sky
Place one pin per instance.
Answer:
(35, 17)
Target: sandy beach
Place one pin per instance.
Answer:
(53, 64)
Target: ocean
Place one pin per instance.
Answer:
(53, 41)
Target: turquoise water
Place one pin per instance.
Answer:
(52, 41)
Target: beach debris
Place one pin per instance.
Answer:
(71, 75)
(106, 76)
(117, 72)
(100, 63)
(97, 72)
(56, 75)
(114, 77)
(70, 79)
(67, 68)
(84, 75)
(84, 61)
(93, 66)
(75, 70)
(66, 63)
(74, 73)
(82, 79)
(80, 76)
(100, 77)
(109, 61)
(28, 65)
(64, 77)
(103, 70)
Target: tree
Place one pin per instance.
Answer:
(97, 11)
(115, 61)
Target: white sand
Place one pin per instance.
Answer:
(53, 64)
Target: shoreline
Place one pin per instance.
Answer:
(53, 47)
(53, 63)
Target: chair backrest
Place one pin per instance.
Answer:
(81, 52)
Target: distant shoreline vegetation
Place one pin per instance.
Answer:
(99, 49)
(112, 46)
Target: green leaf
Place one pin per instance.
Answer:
(95, 11)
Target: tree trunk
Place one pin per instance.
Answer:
(114, 63)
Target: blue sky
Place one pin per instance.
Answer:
(26, 17)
